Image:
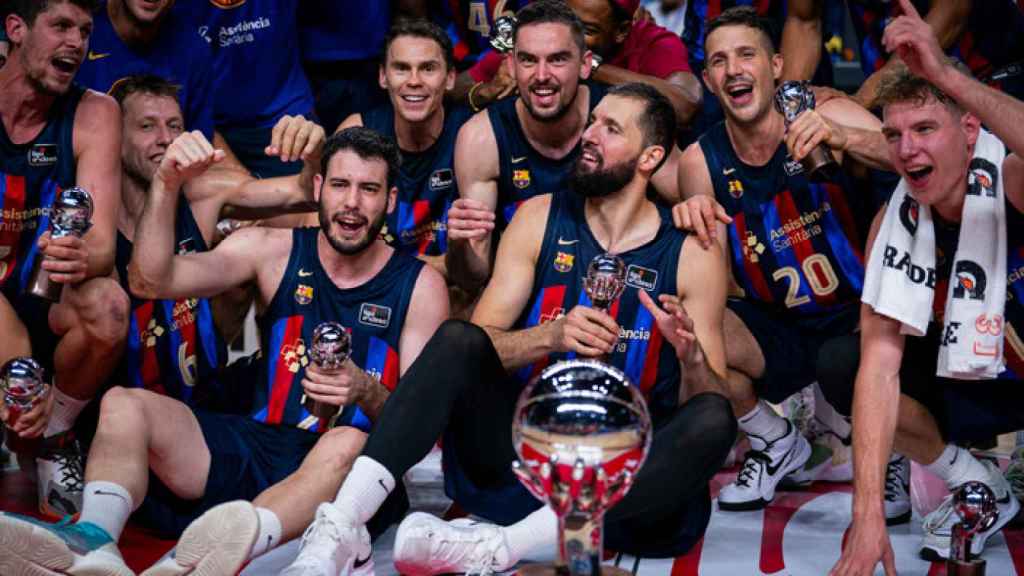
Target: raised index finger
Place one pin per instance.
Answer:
(908, 8)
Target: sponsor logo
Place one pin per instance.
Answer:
(441, 179)
(799, 229)
(727, 171)
(521, 178)
(792, 167)
(374, 315)
(909, 211)
(752, 248)
(553, 315)
(564, 242)
(519, 160)
(981, 178)
(95, 56)
(241, 33)
(640, 277)
(564, 261)
(424, 231)
(993, 326)
(735, 189)
(970, 281)
(294, 356)
(916, 274)
(949, 333)
(304, 274)
(42, 155)
(304, 294)
(627, 335)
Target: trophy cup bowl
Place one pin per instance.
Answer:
(329, 348)
(605, 280)
(504, 35)
(975, 504)
(23, 385)
(791, 99)
(70, 215)
(581, 432)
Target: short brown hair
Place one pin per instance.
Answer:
(741, 16)
(143, 84)
(28, 10)
(902, 85)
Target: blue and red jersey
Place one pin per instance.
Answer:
(374, 313)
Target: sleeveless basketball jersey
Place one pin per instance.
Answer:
(524, 172)
(173, 346)
(31, 176)
(946, 240)
(426, 185)
(470, 24)
(374, 314)
(795, 244)
(700, 12)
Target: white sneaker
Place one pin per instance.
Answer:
(761, 472)
(333, 545)
(897, 491)
(33, 547)
(60, 473)
(1015, 476)
(426, 545)
(831, 460)
(938, 526)
(216, 543)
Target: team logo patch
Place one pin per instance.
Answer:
(735, 189)
(304, 294)
(640, 277)
(374, 315)
(564, 261)
(187, 246)
(753, 248)
(792, 167)
(42, 155)
(908, 214)
(521, 178)
(294, 356)
(441, 179)
(227, 3)
(970, 281)
(981, 178)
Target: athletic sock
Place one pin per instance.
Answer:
(763, 426)
(364, 490)
(538, 530)
(270, 533)
(65, 411)
(956, 465)
(107, 505)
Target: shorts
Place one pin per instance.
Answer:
(965, 410)
(790, 345)
(34, 313)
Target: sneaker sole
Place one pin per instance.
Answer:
(218, 543)
(797, 463)
(743, 506)
(901, 519)
(404, 567)
(31, 550)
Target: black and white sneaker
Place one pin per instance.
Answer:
(762, 470)
(897, 491)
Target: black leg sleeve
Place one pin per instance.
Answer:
(836, 369)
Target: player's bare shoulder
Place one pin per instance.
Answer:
(97, 116)
(694, 177)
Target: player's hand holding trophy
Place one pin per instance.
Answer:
(329, 348)
(792, 98)
(70, 215)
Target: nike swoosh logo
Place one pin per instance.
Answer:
(727, 171)
(304, 274)
(95, 56)
(562, 242)
(102, 493)
(518, 160)
(773, 470)
(359, 563)
(955, 456)
(384, 486)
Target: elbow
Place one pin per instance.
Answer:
(141, 285)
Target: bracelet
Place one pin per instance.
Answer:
(471, 90)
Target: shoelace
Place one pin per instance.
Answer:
(893, 482)
(753, 461)
(484, 547)
(72, 472)
(324, 527)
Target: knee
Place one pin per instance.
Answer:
(836, 371)
(123, 406)
(102, 308)
(340, 447)
(462, 337)
(715, 421)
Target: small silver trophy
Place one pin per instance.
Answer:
(581, 432)
(503, 37)
(791, 99)
(975, 504)
(23, 384)
(605, 280)
(329, 348)
(70, 215)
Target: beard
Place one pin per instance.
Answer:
(550, 117)
(601, 181)
(350, 248)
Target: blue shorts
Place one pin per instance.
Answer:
(790, 344)
(34, 313)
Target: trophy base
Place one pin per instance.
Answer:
(820, 165)
(549, 570)
(971, 568)
(319, 409)
(40, 285)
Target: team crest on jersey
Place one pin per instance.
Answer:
(441, 179)
(374, 315)
(564, 261)
(304, 294)
(640, 277)
(42, 155)
(227, 3)
(521, 178)
(735, 189)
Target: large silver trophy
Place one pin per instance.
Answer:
(605, 280)
(23, 385)
(791, 99)
(70, 215)
(329, 348)
(975, 504)
(581, 431)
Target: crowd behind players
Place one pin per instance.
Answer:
(383, 165)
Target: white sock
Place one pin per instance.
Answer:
(364, 490)
(956, 465)
(762, 425)
(107, 505)
(270, 533)
(65, 411)
(537, 530)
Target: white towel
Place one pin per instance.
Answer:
(900, 278)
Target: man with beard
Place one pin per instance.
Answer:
(56, 135)
(525, 146)
(340, 272)
(133, 37)
(466, 383)
(417, 71)
(796, 246)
